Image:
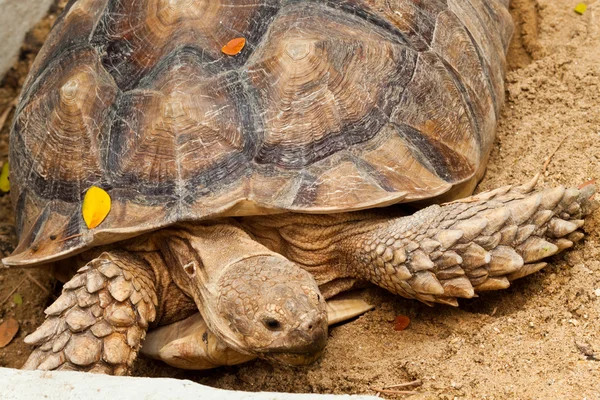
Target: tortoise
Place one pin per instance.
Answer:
(250, 159)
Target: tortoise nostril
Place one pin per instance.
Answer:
(312, 322)
(272, 324)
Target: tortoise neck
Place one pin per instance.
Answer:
(321, 244)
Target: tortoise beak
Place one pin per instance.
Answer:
(310, 337)
(301, 345)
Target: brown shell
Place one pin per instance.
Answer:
(332, 105)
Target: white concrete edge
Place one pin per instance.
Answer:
(16, 18)
(66, 385)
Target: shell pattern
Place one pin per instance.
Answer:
(332, 105)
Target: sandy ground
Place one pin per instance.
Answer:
(538, 339)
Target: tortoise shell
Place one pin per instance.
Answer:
(331, 106)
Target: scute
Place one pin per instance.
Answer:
(332, 106)
(324, 84)
(175, 134)
(59, 132)
(72, 29)
(134, 37)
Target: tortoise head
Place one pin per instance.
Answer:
(273, 308)
(255, 300)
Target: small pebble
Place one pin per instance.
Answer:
(585, 348)
(597, 292)
(401, 323)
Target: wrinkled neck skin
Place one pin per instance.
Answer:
(321, 244)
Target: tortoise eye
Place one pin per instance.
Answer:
(271, 324)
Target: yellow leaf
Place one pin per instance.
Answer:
(4, 181)
(96, 206)
(17, 299)
(580, 8)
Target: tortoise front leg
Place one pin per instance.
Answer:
(476, 244)
(100, 319)
(440, 253)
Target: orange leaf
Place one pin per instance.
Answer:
(401, 323)
(234, 46)
(588, 183)
(8, 330)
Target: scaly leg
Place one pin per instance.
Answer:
(100, 319)
(476, 244)
(440, 253)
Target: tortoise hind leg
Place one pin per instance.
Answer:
(100, 319)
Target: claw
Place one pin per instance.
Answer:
(44, 332)
(53, 361)
(34, 360)
(527, 269)
(575, 236)
(493, 284)
(563, 244)
(560, 228)
(535, 249)
(425, 282)
(504, 261)
(458, 287)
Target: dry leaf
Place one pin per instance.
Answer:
(17, 299)
(95, 207)
(234, 46)
(8, 330)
